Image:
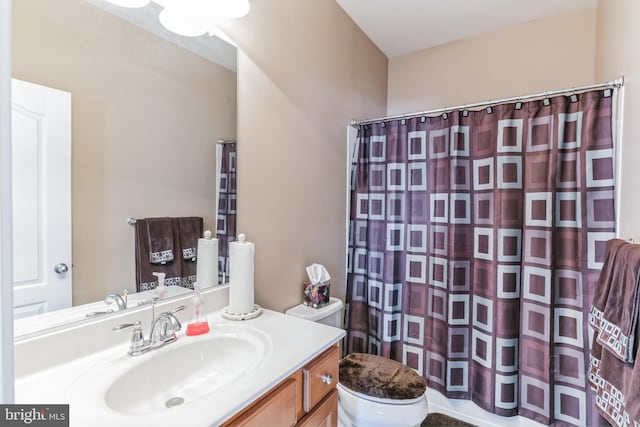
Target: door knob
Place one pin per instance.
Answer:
(61, 268)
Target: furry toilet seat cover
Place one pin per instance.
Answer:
(380, 377)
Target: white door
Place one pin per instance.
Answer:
(41, 145)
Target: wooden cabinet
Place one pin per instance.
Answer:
(307, 398)
(320, 377)
(325, 414)
(277, 408)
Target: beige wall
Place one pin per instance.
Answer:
(306, 70)
(552, 53)
(618, 33)
(146, 116)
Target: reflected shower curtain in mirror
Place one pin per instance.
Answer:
(226, 218)
(476, 240)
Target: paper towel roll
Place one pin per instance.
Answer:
(207, 263)
(241, 269)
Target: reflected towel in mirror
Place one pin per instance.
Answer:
(179, 272)
(190, 229)
(160, 239)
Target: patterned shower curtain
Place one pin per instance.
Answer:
(476, 239)
(226, 222)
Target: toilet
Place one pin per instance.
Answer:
(365, 408)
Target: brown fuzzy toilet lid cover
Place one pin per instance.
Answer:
(380, 377)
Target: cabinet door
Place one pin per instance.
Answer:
(325, 415)
(278, 408)
(320, 377)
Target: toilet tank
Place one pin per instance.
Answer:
(330, 314)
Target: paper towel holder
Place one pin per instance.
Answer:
(246, 309)
(253, 313)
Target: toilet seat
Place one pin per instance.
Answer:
(399, 401)
(380, 377)
(380, 400)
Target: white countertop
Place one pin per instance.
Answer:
(292, 343)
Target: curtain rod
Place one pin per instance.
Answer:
(226, 141)
(612, 84)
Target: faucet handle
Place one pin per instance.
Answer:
(138, 345)
(149, 301)
(178, 309)
(122, 326)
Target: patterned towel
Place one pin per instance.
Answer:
(614, 313)
(160, 239)
(180, 271)
(190, 231)
(145, 265)
(613, 375)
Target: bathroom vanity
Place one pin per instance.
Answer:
(308, 398)
(271, 370)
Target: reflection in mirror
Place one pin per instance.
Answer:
(226, 169)
(145, 109)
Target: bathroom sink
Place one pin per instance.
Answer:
(199, 381)
(182, 372)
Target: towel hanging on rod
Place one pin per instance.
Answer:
(181, 235)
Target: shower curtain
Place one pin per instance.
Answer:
(226, 206)
(476, 239)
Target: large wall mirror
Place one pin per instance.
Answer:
(147, 110)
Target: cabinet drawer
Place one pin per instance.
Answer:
(325, 415)
(278, 408)
(320, 377)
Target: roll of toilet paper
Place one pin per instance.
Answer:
(207, 263)
(241, 268)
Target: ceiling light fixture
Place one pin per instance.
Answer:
(130, 3)
(192, 18)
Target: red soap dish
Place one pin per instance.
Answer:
(197, 328)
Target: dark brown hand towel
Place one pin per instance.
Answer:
(190, 231)
(160, 236)
(145, 280)
(614, 373)
(614, 313)
(616, 385)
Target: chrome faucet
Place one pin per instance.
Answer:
(120, 301)
(163, 331)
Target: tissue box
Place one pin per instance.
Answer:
(316, 296)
